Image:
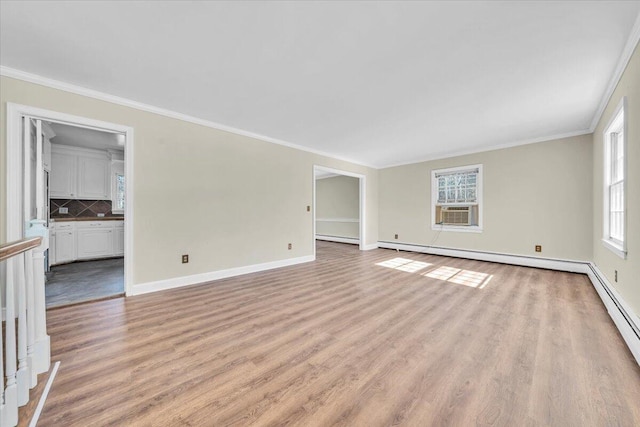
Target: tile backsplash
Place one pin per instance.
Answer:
(80, 208)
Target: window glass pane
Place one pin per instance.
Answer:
(616, 211)
(119, 192)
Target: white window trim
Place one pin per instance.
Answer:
(434, 199)
(614, 246)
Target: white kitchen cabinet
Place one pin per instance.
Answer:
(93, 178)
(79, 173)
(79, 240)
(118, 238)
(64, 176)
(65, 242)
(95, 239)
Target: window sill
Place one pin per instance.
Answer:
(460, 228)
(615, 248)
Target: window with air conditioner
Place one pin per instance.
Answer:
(614, 197)
(456, 199)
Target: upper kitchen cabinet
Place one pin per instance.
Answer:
(93, 178)
(63, 178)
(79, 173)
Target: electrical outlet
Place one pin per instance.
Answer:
(538, 248)
(396, 237)
(615, 276)
(185, 259)
(308, 208)
(289, 246)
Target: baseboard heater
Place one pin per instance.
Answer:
(625, 314)
(623, 318)
(338, 239)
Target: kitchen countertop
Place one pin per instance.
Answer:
(89, 218)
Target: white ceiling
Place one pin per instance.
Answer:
(378, 83)
(83, 137)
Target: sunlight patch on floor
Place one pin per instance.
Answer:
(403, 264)
(472, 279)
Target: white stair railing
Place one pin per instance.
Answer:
(22, 355)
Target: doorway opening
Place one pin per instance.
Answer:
(339, 205)
(73, 176)
(85, 201)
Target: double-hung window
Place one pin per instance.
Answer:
(456, 198)
(614, 198)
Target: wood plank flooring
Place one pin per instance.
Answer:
(418, 341)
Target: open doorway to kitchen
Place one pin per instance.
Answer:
(73, 176)
(86, 201)
(339, 201)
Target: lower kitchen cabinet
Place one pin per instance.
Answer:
(118, 238)
(65, 246)
(95, 242)
(79, 240)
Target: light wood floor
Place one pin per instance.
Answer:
(344, 341)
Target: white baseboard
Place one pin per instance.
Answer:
(625, 320)
(178, 282)
(370, 247)
(623, 317)
(350, 240)
(527, 261)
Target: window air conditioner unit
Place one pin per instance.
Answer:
(455, 215)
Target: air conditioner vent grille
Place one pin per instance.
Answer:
(455, 215)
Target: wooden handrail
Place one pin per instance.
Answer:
(8, 250)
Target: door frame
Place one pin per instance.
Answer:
(14, 166)
(362, 205)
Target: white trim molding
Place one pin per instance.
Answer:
(14, 222)
(338, 219)
(338, 239)
(618, 123)
(622, 315)
(90, 93)
(623, 61)
(203, 278)
(362, 206)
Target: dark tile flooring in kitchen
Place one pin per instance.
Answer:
(84, 281)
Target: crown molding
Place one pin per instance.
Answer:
(90, 93)
(451, 154)
(625, 57)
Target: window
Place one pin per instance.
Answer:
(119, 199)
(614, 199)
(117, 186)
(456, 199)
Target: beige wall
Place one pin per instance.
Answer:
(628, 284)
(536, 194)
(227, 200)
(338, 198)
